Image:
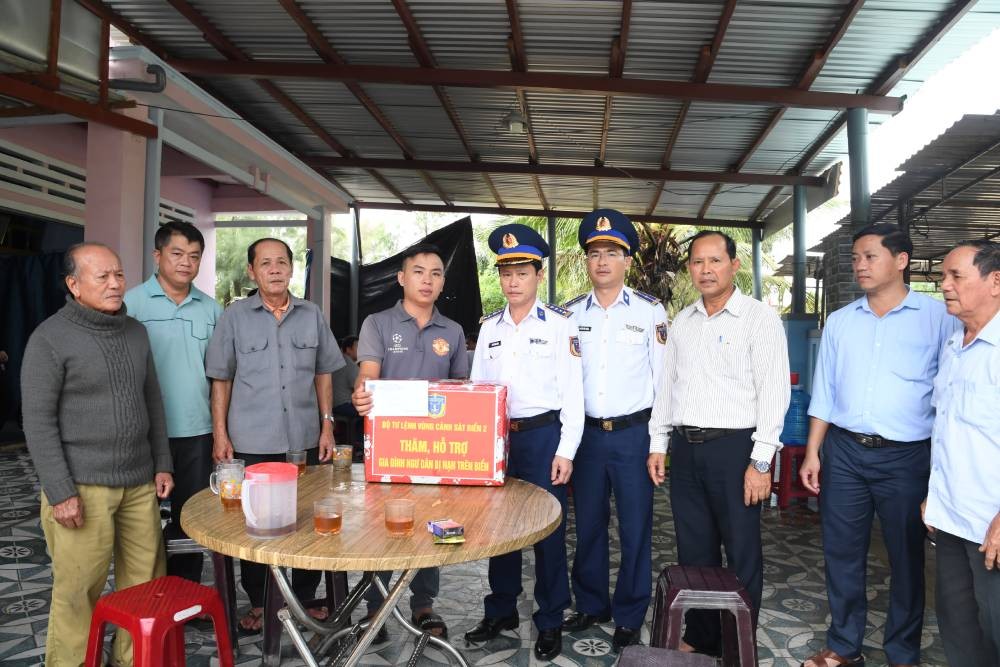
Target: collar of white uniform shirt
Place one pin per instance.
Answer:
(911, 300)
(537, 311)
(734, 305)
(990, 333)
(623, 297)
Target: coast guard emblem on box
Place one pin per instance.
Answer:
(435, 405)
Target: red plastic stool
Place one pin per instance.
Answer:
(789, 486)
(154, 613)
(680, 588)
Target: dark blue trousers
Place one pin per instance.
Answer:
(530, 459)
(613, 462)
(858, 482)
(706, 494)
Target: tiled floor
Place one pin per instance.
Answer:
(793, 618)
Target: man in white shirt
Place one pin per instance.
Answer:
(963, 500)
(534, 349)
(723, 395)
(623, 333)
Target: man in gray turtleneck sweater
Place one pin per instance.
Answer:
(94, 423)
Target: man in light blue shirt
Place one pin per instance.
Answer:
(963, 501)
(180, 319)
(622, 335)
(869, 433)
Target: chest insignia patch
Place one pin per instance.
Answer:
(440, 347)
(574, 346)
(661, 333)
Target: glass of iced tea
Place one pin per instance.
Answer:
(342, 456)
(297, 458)
(227, 482)
(399, 517)
(328, 515)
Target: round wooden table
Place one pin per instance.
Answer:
(497, 520)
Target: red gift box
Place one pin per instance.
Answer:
(462, 441)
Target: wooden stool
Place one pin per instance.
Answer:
(154, 613)
(647, 656)
(681, 588)
(789, 486)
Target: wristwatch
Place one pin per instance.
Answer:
(329, 417)
(761, 466)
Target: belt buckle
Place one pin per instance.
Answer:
(607, 425)
(866, 440)
(514, 426)
(695, 436)
(878, 441)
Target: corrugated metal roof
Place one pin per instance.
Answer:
(974, 213)
(767, 43)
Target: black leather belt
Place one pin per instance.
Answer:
(697, 436)
(528, 423)
(878, 442)
(618, 423)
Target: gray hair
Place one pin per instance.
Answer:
(69, 259)
(987, 257)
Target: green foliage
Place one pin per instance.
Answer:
(231, 280)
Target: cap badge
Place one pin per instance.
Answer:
(603, 224)
(509, 241)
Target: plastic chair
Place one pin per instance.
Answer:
(154, 613)
(681, 588)
(789, 486)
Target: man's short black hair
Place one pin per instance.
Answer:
(252, 249)
(893, 238)
(987, 257)
(730, 242)
(347, 341)
(185, 229)
(420, 249)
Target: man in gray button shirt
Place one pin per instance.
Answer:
(271, 359)
(412, 340)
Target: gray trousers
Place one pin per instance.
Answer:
(423, 589)
(968, 603)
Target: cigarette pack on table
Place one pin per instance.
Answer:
(446, 531)
(462, 439)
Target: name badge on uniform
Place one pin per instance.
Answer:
(584, 329)
(495, 343)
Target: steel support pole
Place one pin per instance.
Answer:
(904, 226)
(756, 236)
(551, 234)
(355, 269)
(857, 150)
(151, 201)
(799, 241)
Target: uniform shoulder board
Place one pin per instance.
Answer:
(646, 297)
(575, 300)
(558, 310)
(491, 315)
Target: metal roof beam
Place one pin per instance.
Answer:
(519, 64)
(550, 82)
(545, 212)
(102, 11)
(805, 81)
(59, 103)
(706, 59)
(571, 170)
(616, 68)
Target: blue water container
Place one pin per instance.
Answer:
(796, 430)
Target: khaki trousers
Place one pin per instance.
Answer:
(119, 522)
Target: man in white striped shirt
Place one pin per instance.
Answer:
(722, 401)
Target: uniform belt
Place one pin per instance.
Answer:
(528, 423)
(696, 435)
(878, 442)
(618, 423)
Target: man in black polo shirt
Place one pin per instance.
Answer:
(412, 340)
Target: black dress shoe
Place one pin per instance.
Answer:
(624, 637)
(488, 628)
(578, 621)
(549, 644)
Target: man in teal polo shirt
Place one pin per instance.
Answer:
(180, 319)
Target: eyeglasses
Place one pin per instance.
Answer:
(595, 255)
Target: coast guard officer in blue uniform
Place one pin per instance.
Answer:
(534, 349)
(623, 334)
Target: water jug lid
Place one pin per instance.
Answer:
(795, 378)
(272, 472)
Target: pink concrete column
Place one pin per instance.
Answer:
(206, 276)
(116, 164)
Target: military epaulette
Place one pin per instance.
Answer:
(558, 310)
(491, 315)
(646, 297)
(575, 300)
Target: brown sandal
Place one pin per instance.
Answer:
(819, 660)
(252, 623)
